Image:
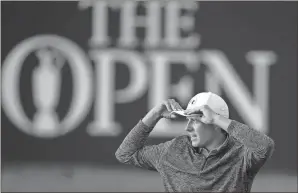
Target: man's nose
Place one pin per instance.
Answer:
(189, 128)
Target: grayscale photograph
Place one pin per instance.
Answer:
(149, 96)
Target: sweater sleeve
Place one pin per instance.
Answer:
(258, 146)
(133, 151)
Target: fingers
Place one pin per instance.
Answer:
(176, 105)
(172, 105)
(169, 106)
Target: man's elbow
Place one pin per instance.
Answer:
(122, 157)
(270, 148)
(264, 151)
(259, 156)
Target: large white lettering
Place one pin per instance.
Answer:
(150, 70)
(104, 123)
(176, 22)
(244, 103)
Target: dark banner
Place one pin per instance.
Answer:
(77, 76)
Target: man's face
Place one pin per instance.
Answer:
(200, 133)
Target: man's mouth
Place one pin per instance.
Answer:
(193, 136)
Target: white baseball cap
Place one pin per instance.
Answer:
(215, 102)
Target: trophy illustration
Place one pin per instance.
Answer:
(46, 83)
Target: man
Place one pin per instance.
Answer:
(218, 154)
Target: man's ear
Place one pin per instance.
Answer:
(217, 128)
(220, 129)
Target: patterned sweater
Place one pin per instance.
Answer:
(230, 168)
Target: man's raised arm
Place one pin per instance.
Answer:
(133, 150)
(259, 146)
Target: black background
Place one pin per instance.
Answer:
(232, 27)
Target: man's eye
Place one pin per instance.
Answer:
(190, 120)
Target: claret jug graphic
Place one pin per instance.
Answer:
(46, 83)
(52, 53)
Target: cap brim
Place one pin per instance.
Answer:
(179, 113)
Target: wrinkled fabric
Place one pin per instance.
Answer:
(230, 168)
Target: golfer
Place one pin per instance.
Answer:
(217, 154)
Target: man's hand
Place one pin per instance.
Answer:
(206, 115)
(203, 113)
(162, 110)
